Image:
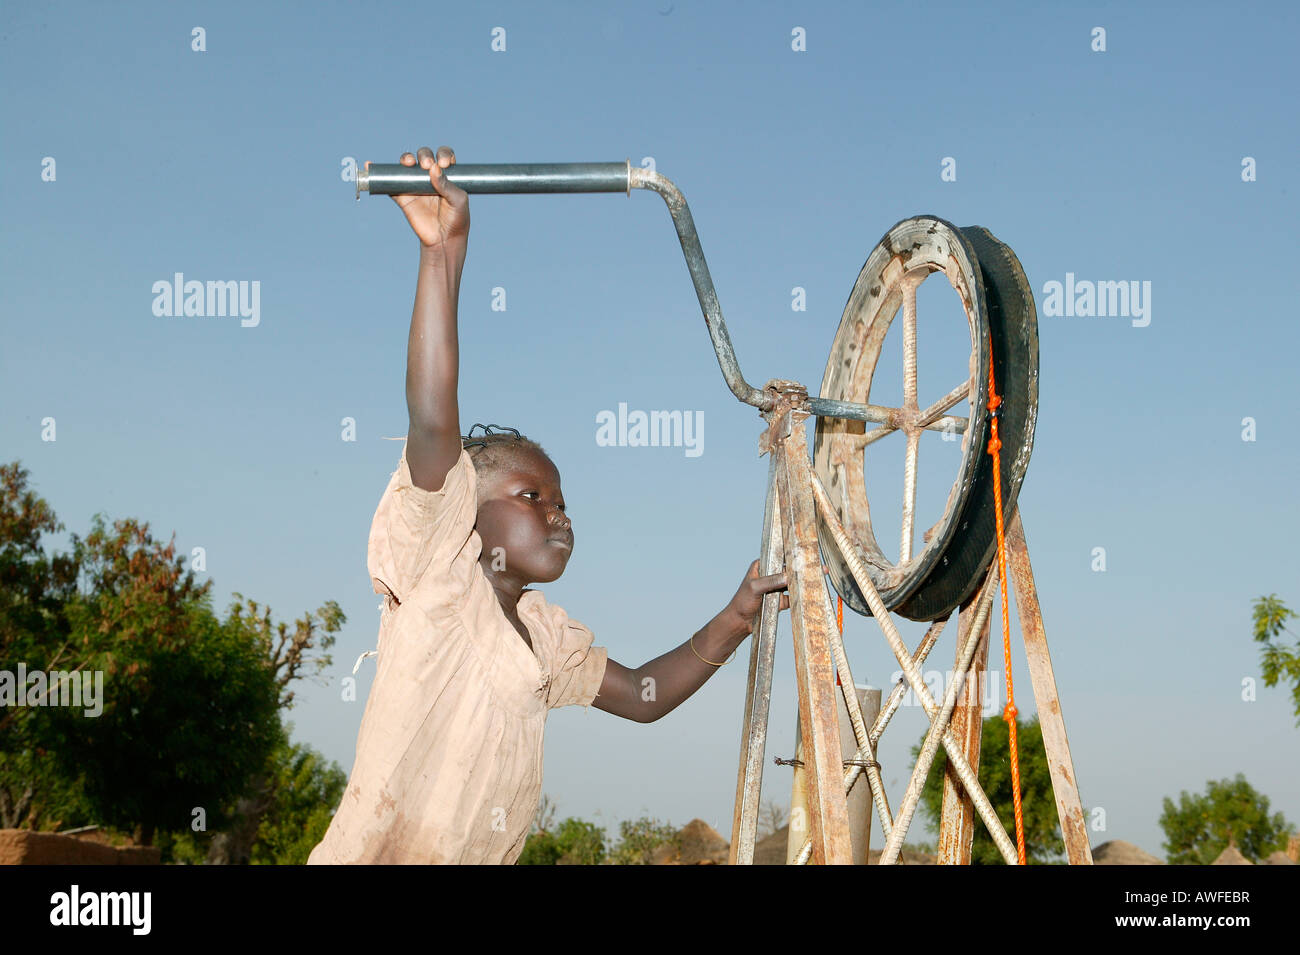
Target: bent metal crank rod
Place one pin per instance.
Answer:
(392, 179)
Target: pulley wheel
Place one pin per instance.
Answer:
(954, 553)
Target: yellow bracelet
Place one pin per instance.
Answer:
(710, 662)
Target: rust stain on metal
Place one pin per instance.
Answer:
(811, 623)
(758, 698)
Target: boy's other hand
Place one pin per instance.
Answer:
(440, 222)
(749, 598)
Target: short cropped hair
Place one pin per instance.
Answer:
(492, 451)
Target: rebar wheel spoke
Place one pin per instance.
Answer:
(909, 337)
(909, 496)
(910, 282)
(930, 414)
(874, 435)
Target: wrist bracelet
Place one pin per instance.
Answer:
(710, 662)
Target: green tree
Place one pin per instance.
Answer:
(1038, 801)
(288, 655)
(540, 848)
(639, 838)
(191, 719)
(189, 708)
(573, 842)
(34, 631)
(306, 789)
(182, 712)
(1277, 660)
(1199, 828)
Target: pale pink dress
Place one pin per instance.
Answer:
(449, 756)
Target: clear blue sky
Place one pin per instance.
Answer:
(1116, 165)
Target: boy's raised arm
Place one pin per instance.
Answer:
(441, 223)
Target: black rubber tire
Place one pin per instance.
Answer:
(1013, 323)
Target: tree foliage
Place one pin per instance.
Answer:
(1278, 661)
(573, 842)
(1200, 827)
(33, 630)
(1043, 841)
(577, 842)
(639, 838)
(189, 709)
(287, 656)
(306, 788)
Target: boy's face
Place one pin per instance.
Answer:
(526, 536)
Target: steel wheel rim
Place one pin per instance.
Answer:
(910, 252)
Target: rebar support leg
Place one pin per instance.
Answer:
(1055, 742)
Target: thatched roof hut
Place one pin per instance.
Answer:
(1231, 856)
(1119, 852)
(698, 843)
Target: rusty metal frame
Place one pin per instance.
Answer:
(790, 539)
(794, 500)
(811, 621)
(758, 698)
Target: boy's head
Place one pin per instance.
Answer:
(527, 538)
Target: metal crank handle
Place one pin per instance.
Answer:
(394, 179)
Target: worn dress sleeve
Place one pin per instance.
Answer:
(578, 668)
(417, 532)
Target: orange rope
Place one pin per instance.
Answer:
(839, 621)
(1009, 713)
